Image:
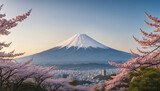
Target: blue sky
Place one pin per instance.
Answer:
(111, 22)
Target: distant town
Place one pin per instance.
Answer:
(89, 76)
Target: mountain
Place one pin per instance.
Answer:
(82, 41)
(79, 49)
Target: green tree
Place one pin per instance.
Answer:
(147, 79)
(28, 86)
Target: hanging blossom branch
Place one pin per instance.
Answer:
(13, 73)
(5, 25)
(147, 58)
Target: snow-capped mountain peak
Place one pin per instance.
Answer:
(82, 41)
(65, 53)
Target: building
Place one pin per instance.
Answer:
(103, 72)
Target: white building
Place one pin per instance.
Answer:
(103, 72)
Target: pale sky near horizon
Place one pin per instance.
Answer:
(110, 22)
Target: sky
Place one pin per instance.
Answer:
(110, 22)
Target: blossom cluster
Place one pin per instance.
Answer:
(13, 73)
(148, 57)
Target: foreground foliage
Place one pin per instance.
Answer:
(148, 57)
(147, 79)
(107, 77)
(29, 86)
(79, 82)
(14, 75)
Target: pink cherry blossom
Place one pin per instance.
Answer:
(149, 57)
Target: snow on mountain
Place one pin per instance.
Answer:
(82, 41)
(89, 51)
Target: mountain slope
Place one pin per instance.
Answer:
(77, 50)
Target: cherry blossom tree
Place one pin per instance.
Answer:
(13, 73)
(148, 57)
(17, 73)
(8, 67)
(5, 25)
(41, 74)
